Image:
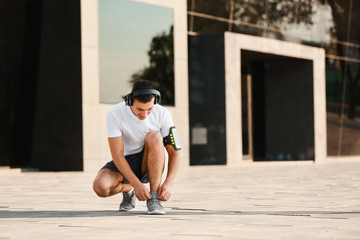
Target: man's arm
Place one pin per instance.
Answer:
(173, 168)
(116, 145)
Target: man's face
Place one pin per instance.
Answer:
(142, 110)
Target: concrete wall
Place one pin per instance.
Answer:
(95, 146)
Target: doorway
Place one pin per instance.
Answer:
(277, 107)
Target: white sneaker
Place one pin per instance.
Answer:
(154, 206)
(128, 202)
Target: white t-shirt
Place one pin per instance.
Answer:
(121, 121)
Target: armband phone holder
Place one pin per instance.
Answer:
(173, 139)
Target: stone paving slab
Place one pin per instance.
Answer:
(257, 201)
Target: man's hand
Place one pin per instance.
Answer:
(141, 192)
(164, 192)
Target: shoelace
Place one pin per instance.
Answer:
(155, 200)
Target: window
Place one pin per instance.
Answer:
(136, 42)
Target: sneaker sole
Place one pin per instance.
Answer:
(127, 210)
(157, 212)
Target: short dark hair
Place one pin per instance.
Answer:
(140, 85)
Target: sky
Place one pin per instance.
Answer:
(125, 32)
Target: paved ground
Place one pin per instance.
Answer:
(251, 202)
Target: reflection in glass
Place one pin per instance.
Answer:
(329, 24)
(343, 108)
(209, 26)
(332, 25)
(135, 41)
(161, 68)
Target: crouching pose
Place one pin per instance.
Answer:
(138, 128)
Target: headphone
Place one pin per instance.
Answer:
(129, 99)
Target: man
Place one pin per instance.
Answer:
(137, 130)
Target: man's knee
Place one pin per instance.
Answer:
(100, 189)
(154, 138)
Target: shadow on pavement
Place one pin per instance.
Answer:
(65, 214)
(173, 212)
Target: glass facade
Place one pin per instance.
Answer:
(330, 24)
(343, 101)
(135, 42)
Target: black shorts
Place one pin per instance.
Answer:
(135, 162)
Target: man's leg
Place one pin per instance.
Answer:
(154, 159)
(153, 163)
(108, 183)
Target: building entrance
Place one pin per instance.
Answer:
(255, 99)
(277, 107)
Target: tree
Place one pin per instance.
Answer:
(161, 66)
(263, 13)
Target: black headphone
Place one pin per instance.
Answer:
(129, 99)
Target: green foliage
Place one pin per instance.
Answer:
(264, 13)
(160, 70)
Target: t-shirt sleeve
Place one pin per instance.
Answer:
(167, 123)
(113, 126)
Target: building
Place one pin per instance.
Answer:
(245, 80)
